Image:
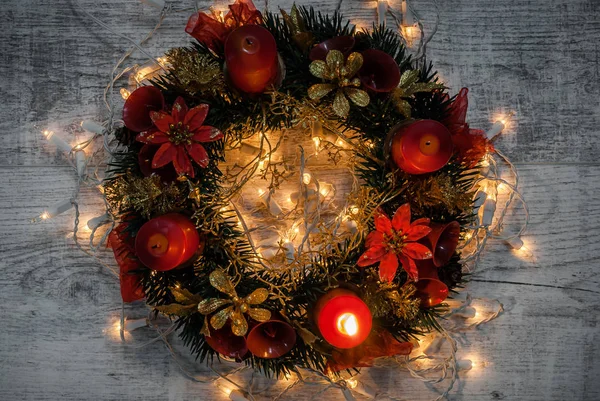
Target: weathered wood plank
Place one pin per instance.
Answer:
(59, 301)
(536, 58)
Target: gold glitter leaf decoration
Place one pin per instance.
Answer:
(317, 91)
(218, 320)
(341, 72)
(238, 306)
(408, 78)
(239, 325)
(259, 314)
(176, 309)
(210, 305)
(335, 61)
(320, 69)
(258, 296)
(353, 64)
(297, 27)
(221, 282)
(358, 97)
(408, 87)
(341, 107)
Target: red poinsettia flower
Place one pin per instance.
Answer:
(471, 144)
(180, 135)
(395, 241)
(212, 32)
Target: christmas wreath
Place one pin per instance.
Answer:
(346, 282)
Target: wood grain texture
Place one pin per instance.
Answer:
(539, 58)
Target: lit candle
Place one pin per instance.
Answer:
(166, 242)
(251, 57)
(421, 146)
(343, 319)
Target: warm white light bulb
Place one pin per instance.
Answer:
(306, 178)
(125, 93)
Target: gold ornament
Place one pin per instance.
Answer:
(388, 299)
(409, 86)
(342, 74)
(237, 306)
(297, 27)
(186, 303)
(145, 195)
(197, 73)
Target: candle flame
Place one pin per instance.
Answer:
(347, 324)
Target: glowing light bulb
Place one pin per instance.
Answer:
(125, 93)
(354, 209)
(45, 216)
(352, 383)
(339, 142)
(317, 142)
(306, 178)
(347, 324)
(261, 192)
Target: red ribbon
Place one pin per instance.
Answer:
(213, 33)
(122, 245)
(380, 343)
(471, 144)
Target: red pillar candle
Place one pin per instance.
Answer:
(166, 242)
(343, 319)
(251, 57)
(421, 146)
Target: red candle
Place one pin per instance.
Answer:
(343, 319)
(251, 56)
(421, 146)
(166, 242)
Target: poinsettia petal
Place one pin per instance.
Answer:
(414, 250)
(401, 220)
(383, 223)
(375, 238)
(164, 155)
(153, 136)
(161, 120)
(179, 110)
(198, 154)
(409, 267)
(195, 117)
(388, 267)
(421, 221)
(206, 133)
(182, 162)
(417, 232)
(371, 256)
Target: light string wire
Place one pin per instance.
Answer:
(447, 364)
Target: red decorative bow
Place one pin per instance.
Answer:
(212, 32)
(471, 144)
(123, 248)
(380, 343)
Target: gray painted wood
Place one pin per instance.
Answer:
(539, 58)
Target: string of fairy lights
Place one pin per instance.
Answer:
(434, 359)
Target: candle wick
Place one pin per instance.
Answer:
(155, 246)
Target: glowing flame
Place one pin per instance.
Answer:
(347, 324)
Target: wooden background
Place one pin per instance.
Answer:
(539, 58)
